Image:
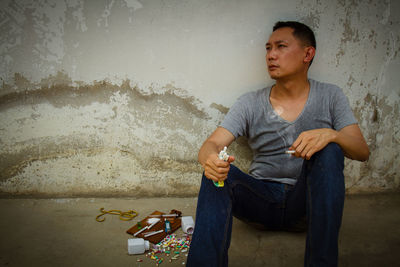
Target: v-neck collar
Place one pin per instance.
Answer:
(271, 108)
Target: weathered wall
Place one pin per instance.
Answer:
(116, 97)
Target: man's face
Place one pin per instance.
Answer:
(285, 54)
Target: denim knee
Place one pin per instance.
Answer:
(330, 157)
(233, 175)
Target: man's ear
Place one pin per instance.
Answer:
(310, 53)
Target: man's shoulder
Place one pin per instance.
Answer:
(253, 95)
(324, 88)
(323, 85)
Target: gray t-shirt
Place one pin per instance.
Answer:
(269, 135)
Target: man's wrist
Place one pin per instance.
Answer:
(335, 136)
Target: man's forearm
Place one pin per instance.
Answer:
(215, 143)
(206, 149)
(353, 147)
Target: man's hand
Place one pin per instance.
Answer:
(217, 169)
(214, 168)
(349, 138)
(310, 142)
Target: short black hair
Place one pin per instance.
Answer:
(300, 31)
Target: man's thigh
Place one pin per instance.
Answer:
(255, 201)
(296, 206)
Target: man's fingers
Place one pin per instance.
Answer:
(221, 164)
(300, 149)
(216, 173)
(217, 169)
(314, 149)
(213, 178)
(299, 140)
(309, 154)
(306, 151)
(211, 174)
(310, 142)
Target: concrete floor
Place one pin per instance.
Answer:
(63, 232)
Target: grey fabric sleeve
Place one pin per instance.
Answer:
(236, 119)
(342, 115)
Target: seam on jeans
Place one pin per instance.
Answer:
(222, 252)
(283, 209)
(309, 232)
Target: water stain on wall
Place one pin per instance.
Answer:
(102, 138)
(381, 171)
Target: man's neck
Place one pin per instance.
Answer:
(293, 88)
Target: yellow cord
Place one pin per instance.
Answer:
(123, 215)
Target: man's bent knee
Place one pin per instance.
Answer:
(330, 157)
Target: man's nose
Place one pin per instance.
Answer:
(271, 54)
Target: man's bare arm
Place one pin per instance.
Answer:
(353, 143)
(214, 168)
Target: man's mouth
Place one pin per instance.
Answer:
(273, 67)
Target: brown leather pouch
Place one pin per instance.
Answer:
(175, 223)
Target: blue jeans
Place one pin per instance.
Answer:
(317, 199)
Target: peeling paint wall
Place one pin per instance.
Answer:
(116, 97)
